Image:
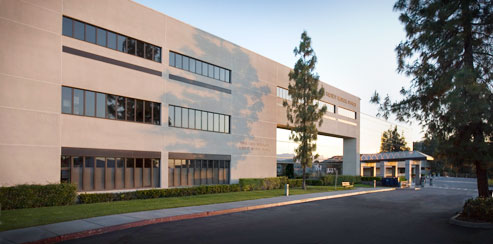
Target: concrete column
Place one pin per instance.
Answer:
(418, 172)
(382, 169)
(350, 161)
(408, 170)
(374, 170)
(396, 170)
(361, 170)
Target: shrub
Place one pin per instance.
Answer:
(314, 182)
(330, 179)
(402, 178)
(371, 178)
(478, 209)
(295, 182)
(253, 184)
(157, 193)
(35, 196)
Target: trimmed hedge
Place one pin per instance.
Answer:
(330, 179)
(35, 196)
(295, 182)
(253, 184)
(478, 209)
(371, 178)
(157, 193)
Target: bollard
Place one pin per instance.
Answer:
(374, 183)
(287, 190)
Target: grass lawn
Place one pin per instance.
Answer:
(20, 218)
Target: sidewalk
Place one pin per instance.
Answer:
(97, 225)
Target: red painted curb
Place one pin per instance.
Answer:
(107, 229)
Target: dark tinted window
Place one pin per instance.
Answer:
(148, 112)
(78, 102)
(130, 109)
(66, 100)
(120, 108)
(156, 110)
(110, 106)
(90, 103)
(171, 116)
(157, 54)
(111, 40)
(101, 37)
(140, 49)
(148, 50)
(78, 30)
(90, 33)
(140, 111)
(101, 105)
(67, 27)
(121, 43)
(130, 45)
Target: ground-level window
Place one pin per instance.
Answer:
(96, 173)
(193, 172)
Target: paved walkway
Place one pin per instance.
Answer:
(97, 225)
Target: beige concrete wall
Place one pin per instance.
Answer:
(33, 69)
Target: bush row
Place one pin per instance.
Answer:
(478, 209)
(330, 179)
(35, 196)
(253, 184)
(371, 178)
(157, 193)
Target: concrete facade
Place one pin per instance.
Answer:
(36, 65)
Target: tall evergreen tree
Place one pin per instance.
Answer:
(392, 141)
(304, 111)
(448, 53)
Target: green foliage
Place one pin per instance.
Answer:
(448, 54)
(35, 196)
(392, 141)
(315, 182)
(157, 193)
(478, 209)
(253, 184)
(371, 178)
(295, 183)
(304, 111)
(490, 182)
(402, 178)
(329, 180)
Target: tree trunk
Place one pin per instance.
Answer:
(482, 179)
(304, 177)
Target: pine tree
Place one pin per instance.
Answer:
(392, 141)
(304, 111)
(448, 52)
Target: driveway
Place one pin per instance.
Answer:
(401, 216)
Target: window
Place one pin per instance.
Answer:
(108, 173)
(78, 30)
(90, 103)
(182, 172)
(139, 111)
(101, 37)
(101, 105)
(331, 108)
(78, 102)
(130, 109)
(197, 119)
(112, 40)
(198, 67)
(106, 38)
(283, 93)
(346, 113)
(90, 33)
(120, 108)
(66, 100)
(110, 106)
(67, 26)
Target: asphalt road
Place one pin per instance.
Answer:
(401, 216)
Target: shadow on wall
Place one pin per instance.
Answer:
(244, 104)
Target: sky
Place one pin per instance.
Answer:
(354, 40)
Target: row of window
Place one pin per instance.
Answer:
(87, 32)
(199, 67)
(101, 105)
(105, 173)
(198, 119)
(283, 93)
(183, 172)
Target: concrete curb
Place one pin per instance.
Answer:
(468, 224)
(107, 229)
